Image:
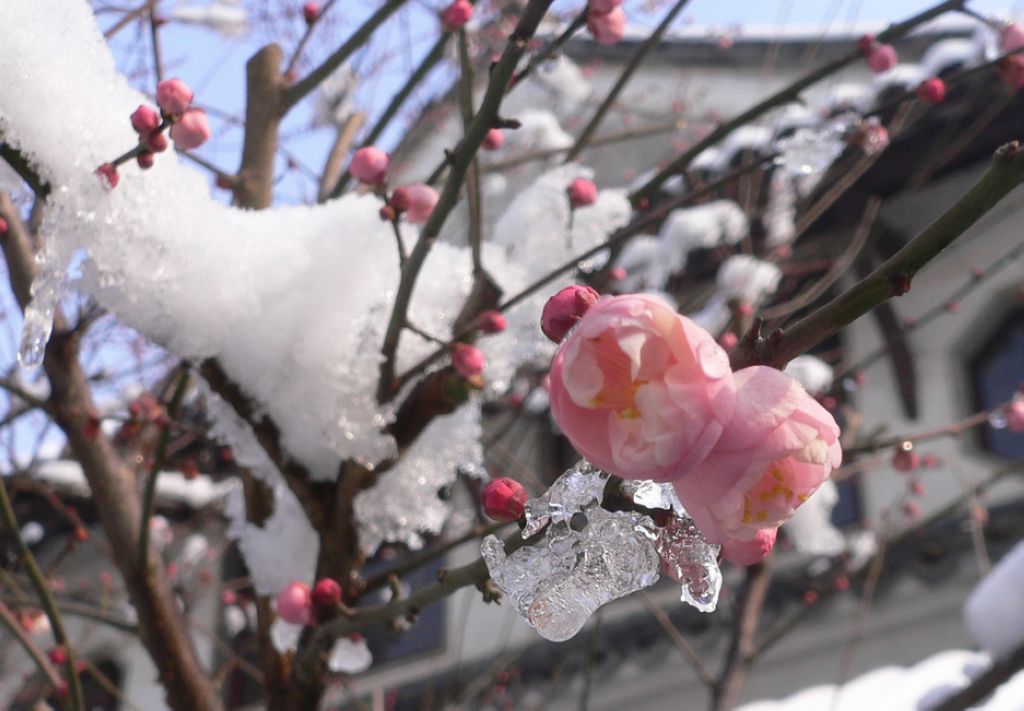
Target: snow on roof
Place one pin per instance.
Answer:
(172, 488)
(915, 688)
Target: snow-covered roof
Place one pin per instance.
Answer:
(917, 688)
(172, 488)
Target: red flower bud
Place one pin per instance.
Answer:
(456, 15)
(58, 655)
(145, 160)
(326, 593)
(492, 322)
(905, 459)
(310, 12)
(468, 360)
(494, 139)
(157, 142)
(504, 499)
(582, 192)
(564, 309)
(145, 120)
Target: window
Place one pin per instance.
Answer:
(997, 370)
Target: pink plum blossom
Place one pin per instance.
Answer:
(192, 130)
(582, 192)
(468, 360)
(145, 120)
(749, 552)
(563, 310)
(776, 450)
(295, 604)
(639, 390)
(417, 201)
(369, 165)
(608, 27)
(1014, 413)
(456, 15)
(1011, 38)
(493, 139)
(492, 322)
(173, 96)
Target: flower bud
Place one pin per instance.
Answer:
(564, 309)
(1014, 414)
(108, 173)
(582, 192)
(468, 360)
(173, 96)
(492, 322)
(369, 165)
(865, 43)
(145, 120)
(1011, 38)
(3, 226)
(504, 499)
(494, 139)
(157, 142)
(905, 459)
(192, 131)
(310, 12)
(603, 7)
(294, 603)
(417, 201)
(608, 27)
(881, 58)
(326, 593)
(58, 655)
(728, 340)
(456, 15)
(931, 91)
(145, 160)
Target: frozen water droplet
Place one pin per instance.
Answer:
(559, 582)
(35, 333)
(997, 420)
(810, 151)
(349, 656)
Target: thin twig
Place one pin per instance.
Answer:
(473, 194)
(552, 47)
(306, 36)
(31, 648)
(627, 73)
(677, 639)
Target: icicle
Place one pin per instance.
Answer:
(47, 290)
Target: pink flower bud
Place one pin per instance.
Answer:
(157, 142)
(192, 131)
(932, 91)
(58, 655)
(905, 459)
(3, 226)
(750, 552)
(881, 58)
(917, 488)
(294, 603)
(326, 593)
(1011, 38)
(618, 273)
(603, 7)
(1014, 414)
(145, 160)
(504, 499)
(728, 340)
(1011, 69)
(145, 120)
(310, 12)
(582, 192)
(564, 309)
(417, 201)
(173, 96)
(468, 360)
(492, 322)
(369, 165)
(865, 43)
(108, 173)
(456, 15)
(608, 27)
(228, 597)
(494, 139)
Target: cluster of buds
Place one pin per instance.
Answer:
(417, 201)
(606, 21)
(298, 605)
(188, 125)
(880, 57)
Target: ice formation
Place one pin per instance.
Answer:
(810, 150)
(589, 556)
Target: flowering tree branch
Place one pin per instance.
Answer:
(460, 160)
(893, 278)
(784, 96)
